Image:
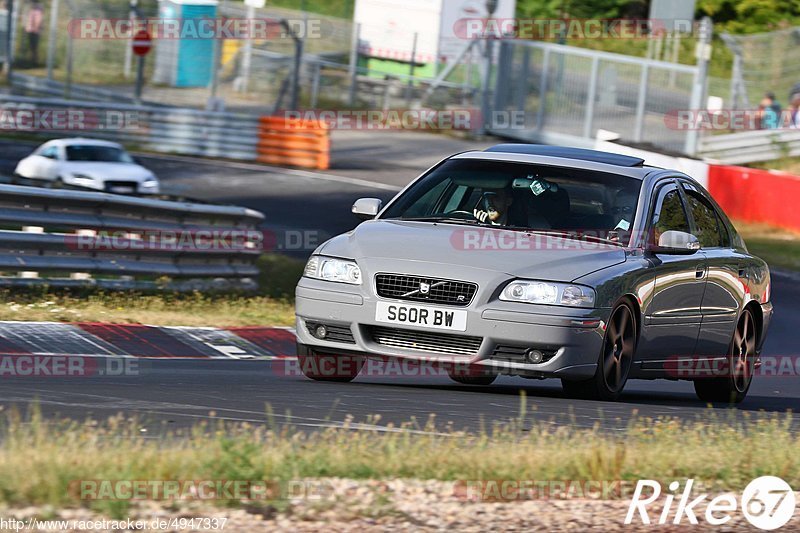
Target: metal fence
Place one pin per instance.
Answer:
(763, 62)
(159, 129)
(568, 93)
(246, 75)
(92, 239)
(565, 93)
(3, 35)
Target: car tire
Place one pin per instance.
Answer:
(733, 388)
(615, 361)
(481, 379)
(332, 368)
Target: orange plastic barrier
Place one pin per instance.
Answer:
(294, 143)
(756, 195)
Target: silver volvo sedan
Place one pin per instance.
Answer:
(541, 262)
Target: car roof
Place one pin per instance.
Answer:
(569, 153)
(559, 156)
(72, 141)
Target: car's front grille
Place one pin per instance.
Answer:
(424, 341)
(128, 186)
(422, 289)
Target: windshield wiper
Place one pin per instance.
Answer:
(574, 236)
(449, 220)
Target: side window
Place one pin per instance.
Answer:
(669, 214)
(708, 227)
(455, 199)
(51, 152)
(428, 203)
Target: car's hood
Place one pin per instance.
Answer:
(108, 171)
(502, 251)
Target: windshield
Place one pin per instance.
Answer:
(105, 154)
(523, 196)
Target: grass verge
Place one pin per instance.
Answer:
(192, 309)
(39, 460)
(784, 164)
(272, 306)
(780, 248)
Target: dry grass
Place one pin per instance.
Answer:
(780, 248)
(38, 460)
(163, 310)
(785, 164)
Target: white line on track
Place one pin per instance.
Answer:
(279, 170)
(237, 415)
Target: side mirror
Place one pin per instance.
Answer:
(367, 208)
(676, 243)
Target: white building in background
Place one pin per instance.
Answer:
(388, 27)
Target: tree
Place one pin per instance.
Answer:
(582, 9)
(751, 16)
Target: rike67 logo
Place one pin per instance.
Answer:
(767, 502)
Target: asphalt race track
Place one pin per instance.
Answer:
(181, 392)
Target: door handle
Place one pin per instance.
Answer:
(700, 273)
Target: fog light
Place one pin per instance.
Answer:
(321, 331)
(534, 356)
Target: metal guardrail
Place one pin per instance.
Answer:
(94, 239)
(52, 88)
(751, 146)
(160, 129)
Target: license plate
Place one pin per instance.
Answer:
(421, 315)
(122, 190)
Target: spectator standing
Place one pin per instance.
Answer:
(34, 21)
(794, 92)
(769, 112)
(794, 112)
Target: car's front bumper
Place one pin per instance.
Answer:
(572, 338)
(767, 311)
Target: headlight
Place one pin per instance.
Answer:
(83, 179)
(331, 269)
(545, 292)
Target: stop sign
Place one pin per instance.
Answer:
(142, 43)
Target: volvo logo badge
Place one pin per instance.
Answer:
(424, 288)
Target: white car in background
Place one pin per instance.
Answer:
(89, 163)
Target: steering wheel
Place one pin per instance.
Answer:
(460, 212)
